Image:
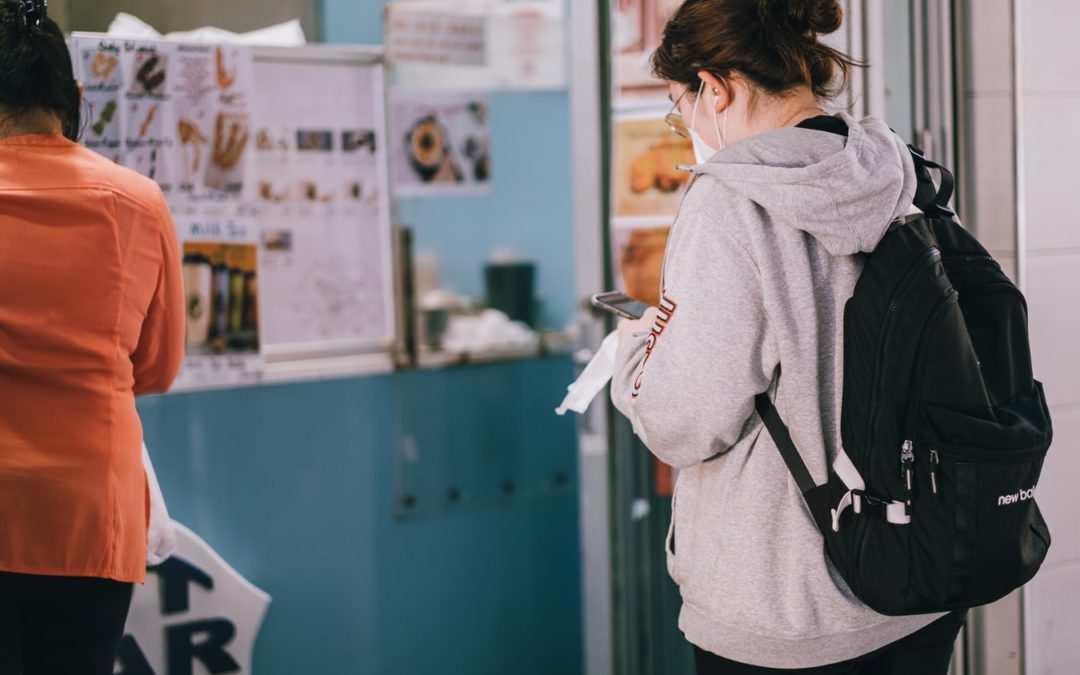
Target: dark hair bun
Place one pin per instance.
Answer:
(772, 43)
(35, 67)
(820, 17)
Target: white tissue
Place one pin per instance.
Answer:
(490, 331)
(593, 379)
(288, 34)
(126, 25)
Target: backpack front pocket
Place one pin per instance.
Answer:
(998, 536)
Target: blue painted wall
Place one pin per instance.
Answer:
(420, 522)
(353, 21)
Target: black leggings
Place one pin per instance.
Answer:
(925, 652)
(60, 625)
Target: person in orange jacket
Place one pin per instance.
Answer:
(91, 316)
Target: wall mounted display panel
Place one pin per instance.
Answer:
(324, 201)
(271, 157)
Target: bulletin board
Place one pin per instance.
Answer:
(274, 163)
(324, 195)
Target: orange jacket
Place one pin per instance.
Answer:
(91, 315)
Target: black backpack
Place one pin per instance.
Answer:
(930, 505)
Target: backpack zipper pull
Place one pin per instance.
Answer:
(935, 461)
(907, 462)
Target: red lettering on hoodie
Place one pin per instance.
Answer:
(667, 311)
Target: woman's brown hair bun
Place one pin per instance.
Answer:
(819, 17)
(772, 43)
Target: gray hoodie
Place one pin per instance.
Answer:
(762, 258)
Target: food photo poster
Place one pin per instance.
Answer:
(440, 143)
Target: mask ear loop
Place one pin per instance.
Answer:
(721, 136)
(697, 102)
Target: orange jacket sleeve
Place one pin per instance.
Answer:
(160, 351)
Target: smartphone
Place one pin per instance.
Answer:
(620, 304)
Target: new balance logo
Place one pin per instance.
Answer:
(1017, 497)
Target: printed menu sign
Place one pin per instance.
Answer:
(276, 173)
(221, 290)
(177, 113)
(638, 261)
(147, 141)
(477, 45)
(414, 37)
(212, 91)
(442, 143)
(101, 77)
(323, 201)
(647, 179)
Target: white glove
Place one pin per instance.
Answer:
(160, 537)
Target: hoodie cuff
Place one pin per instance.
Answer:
(628, 359)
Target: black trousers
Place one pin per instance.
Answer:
(60, 625)
(925, 652)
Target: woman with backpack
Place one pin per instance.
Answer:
(764, 254)
(91, 316)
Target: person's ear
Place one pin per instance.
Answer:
(82, 91)
(722, 92)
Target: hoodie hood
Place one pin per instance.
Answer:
(842, 191)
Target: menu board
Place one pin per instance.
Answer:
(321, 190)
(274, 163)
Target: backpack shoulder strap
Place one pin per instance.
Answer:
(930, 198)
(816, 496)
(780, 435)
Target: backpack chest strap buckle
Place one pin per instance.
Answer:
(895, 511)
(862, 503)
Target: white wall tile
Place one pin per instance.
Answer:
(998, 630)
(1058, 498)
(1052, 621)
(992, 172)
(989, 33)
(1052, 171)
(1049, 50)
(1054, 324)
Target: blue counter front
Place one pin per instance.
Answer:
(420, 522)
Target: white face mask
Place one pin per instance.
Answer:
(702, 150)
